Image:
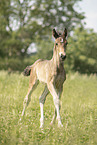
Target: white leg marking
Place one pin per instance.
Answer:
(42, 117)
(42, 101)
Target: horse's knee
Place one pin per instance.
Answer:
(42, 99)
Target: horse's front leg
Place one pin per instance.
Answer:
(56, 100)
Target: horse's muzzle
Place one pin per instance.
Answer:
(63, 57)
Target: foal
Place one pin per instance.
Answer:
(52, 73)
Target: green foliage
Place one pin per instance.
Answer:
(83, 51)
(4, 22)
(27, 21)
(16, 64)
(45, 49)
(78, 112)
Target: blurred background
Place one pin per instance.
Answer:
(26, 33)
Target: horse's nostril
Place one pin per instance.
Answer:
(63, 57)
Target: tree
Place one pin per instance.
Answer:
(83, 51)
(27, 21)
(4, 23)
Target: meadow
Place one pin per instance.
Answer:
(78, 112)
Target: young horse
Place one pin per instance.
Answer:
(52, 73)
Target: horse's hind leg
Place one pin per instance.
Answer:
(42, 101)
(27, 99)
(54, 117)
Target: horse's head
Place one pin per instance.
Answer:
(61, 43)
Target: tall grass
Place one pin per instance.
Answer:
(78, 112)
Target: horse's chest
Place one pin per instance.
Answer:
(60, 77)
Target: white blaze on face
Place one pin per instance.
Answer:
(60, 53)
(62, 40)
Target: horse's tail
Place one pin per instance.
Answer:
(27, 71)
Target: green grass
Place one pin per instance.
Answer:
(78, 112)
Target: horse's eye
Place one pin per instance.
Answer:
(56, 43)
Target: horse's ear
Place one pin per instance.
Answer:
(65, 33)
(55, 34)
